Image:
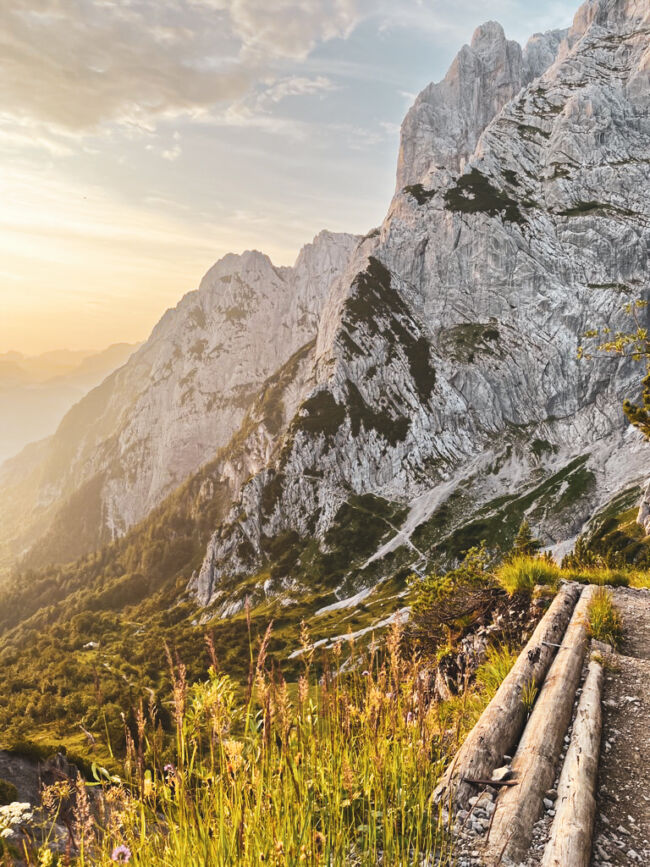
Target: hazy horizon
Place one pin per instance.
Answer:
(142, 142)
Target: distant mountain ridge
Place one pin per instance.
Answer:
(37, 391)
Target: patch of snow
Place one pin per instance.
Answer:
(345, 603)
(403, 614)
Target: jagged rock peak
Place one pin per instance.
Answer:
(442, 128)
(606, 13)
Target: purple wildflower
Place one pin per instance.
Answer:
(121, 854)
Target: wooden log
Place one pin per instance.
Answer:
(535, 762)
(573, 825)
(498, 729)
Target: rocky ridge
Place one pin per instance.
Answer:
(167, 411)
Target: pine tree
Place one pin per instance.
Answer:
(525, 544)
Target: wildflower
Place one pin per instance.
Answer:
(46, 858)
(235, 760)
(121, 854)
(319, 841)
(12, 816)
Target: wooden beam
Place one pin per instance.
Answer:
(534, 765)
(498, 729)
(573, 825)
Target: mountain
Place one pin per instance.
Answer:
(37, 391)
(393, 399)
(292, 444)
(138, 435)
(445, 377)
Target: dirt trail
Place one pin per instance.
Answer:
(622, 833)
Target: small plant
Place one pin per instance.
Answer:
(492, 672)
(528, 696)
(604, 620)
(521, 574)
(445, 605)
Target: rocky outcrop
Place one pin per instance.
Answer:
(643, 518)
(443, 127)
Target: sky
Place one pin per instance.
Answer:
(141, 140)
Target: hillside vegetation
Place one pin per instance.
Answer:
(196, 763)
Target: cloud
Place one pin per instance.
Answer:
(75, 64)
(297, 86)
(291, 28)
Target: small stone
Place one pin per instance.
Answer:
(548, 804)
(633, 855)
(471, 801)
(483, 799)
(551, 813)
(622, 830)
(551, 794)
(501, 774)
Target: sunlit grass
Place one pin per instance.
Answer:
(604, 620)
(521, 574)
(342, 773)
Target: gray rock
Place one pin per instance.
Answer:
(501, 774)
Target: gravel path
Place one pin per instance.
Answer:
(622, 833)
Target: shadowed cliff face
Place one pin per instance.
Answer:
(445, 369)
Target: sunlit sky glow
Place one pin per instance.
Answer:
(143, 139)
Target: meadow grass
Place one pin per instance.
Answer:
(337, 768)
(340, 772)
(521, 574)
(604, 620)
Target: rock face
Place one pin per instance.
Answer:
(643, 517)
(443, 127)
(152, 423)
(445, 372)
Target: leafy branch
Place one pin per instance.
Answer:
(633, 344)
